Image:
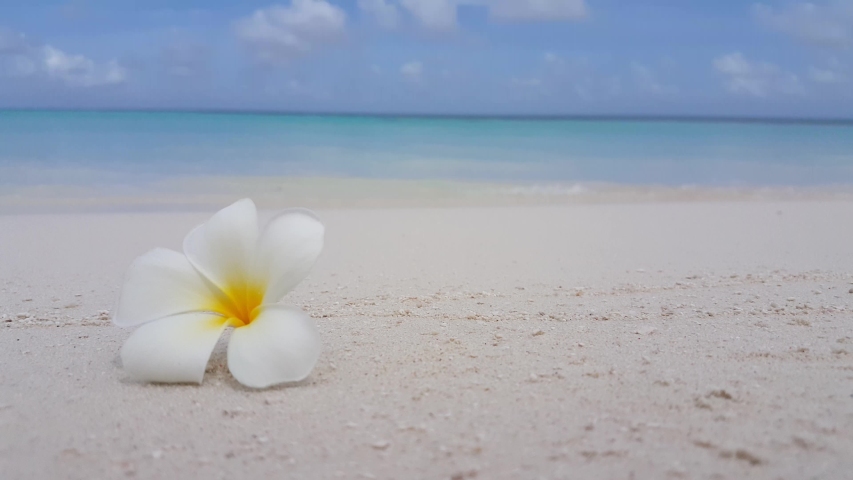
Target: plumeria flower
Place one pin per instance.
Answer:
(230, 275)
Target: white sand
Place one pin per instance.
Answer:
(679, 340)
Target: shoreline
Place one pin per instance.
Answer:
(201, 193)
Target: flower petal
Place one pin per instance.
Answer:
(158, 284)
(287, 250)
(281, 345)
(174, 349)
(223, 248)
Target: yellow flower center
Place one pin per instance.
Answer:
(240, 302)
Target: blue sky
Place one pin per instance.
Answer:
(571, 57)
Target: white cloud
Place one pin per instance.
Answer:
(185, 59)
(21, 66)
(758, 79)
(537, 10)
(829, 24)
(292, 87)
(78, 70)
(647, 81)
(566, 77)
(278, 34)
(531, 82)
(826, 75)
(412, 70)
(21, 58)
(433, 14)
(442, 14)
(552, 58)
(384, 12)
(12, 42)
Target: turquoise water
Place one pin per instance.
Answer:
(42, 147)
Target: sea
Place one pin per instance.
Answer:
(135, 147)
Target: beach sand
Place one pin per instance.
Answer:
(703, 339)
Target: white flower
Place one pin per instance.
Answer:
(229, 275)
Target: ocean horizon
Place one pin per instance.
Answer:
(133, 147)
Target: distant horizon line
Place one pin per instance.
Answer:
(469, 116)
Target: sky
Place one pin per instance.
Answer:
(524, 57)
